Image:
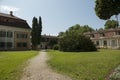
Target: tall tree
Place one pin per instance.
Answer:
(111, 24)
(34, 33)
(80, 29)
(106, 8)
(39, 29)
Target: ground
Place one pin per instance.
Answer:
(38, 69)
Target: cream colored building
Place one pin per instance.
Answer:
(105, 38)
(14, 33)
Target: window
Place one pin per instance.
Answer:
(5, 44)
(9, 44)
(6, 34)
(105, 42)
(24, 44)
(102, 34)
(9, 34)
(92, 35)
(18, 44)
(21, 44)
(18, 35)
(117, 33)
(21, 35)
(113, 43)
(2, 34)
(97, 43)
(2, 44)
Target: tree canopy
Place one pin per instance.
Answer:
(77, 28)
(80, 29)
(74, 40)
(106, 8)
(111, 24)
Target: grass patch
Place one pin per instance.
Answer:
(11, 63)
(84, 65)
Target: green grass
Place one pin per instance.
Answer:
(84, 65)
(11, 63)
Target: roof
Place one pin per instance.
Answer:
(103, 31)
(48, 36)
(13, 21)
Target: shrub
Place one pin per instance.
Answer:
(56, 47)
(75, 43)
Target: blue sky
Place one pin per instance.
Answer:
(57, 15)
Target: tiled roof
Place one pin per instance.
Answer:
(103, 31)
(100, 34)
(13, 21)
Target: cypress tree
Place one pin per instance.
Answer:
(34, 33)
(39, 29)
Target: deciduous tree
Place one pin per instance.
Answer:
(74, 40)
(111, 24)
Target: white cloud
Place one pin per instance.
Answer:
(7, 8)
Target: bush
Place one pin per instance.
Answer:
(56, 47)
(75, 43)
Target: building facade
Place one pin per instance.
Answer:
(105, 38)
(48, 41)
(14, 33)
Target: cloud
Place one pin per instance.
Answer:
(7, 8)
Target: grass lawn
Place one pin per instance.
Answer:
(11, 63)
(84, 65)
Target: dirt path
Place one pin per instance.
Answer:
(38, 70)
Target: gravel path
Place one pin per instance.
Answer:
(37, 69)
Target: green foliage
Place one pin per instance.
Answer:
(73, 40)
(39, 29)
(56, 47)
(101, 29)
(61, 34)
(106, 8)
(80, 29)
(53, 41)
(12, 63)
(36, 32)
(84, 65)
(111, 24)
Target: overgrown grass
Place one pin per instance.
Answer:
(11, 63)
(84, 65)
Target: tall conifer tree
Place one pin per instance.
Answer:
(39, 29)
(34, 33)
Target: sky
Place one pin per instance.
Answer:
(57, 15)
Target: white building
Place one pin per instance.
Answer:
(14, 33)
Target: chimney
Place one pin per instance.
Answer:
(11, 13)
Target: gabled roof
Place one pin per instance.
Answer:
(13, 21)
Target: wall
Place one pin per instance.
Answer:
(16, 30)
